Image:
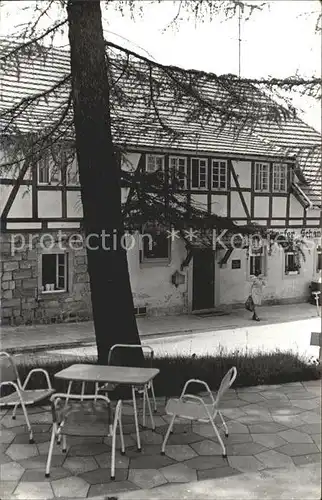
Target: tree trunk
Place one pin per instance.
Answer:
(99, 172)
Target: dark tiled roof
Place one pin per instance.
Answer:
(137, 125)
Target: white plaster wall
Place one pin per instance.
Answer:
(278, 222)
(151, 283)
(200, 201)
(296, 209)
(243, 171)
(219, 204)
(279, 206)
(130, 161)
(235, 283)
(315, 212)
(4, 194)
(74, 204)
(49, 204)
(22, 206)
(237, 209)
(261, 206)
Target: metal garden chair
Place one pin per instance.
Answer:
(9, 376)
(194, 407)
(144, 390)
(84, 415)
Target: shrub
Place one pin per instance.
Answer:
(252, 369)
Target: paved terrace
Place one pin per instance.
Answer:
(273, 452)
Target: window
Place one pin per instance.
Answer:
(48, 173)
(154, 163)
(219, 174)
(257, 262)
(178, 168)
(199, 173)
(279, 177)
(43, 170)
(54, 272)
(291, 263)
(155, 243)
(261, 176)
(319, 260)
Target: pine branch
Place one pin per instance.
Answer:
(23, 46)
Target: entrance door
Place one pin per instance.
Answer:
(203, 293)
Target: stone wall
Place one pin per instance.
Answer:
(22, 301)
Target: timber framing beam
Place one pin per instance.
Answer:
(15, 190)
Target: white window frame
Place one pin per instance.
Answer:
(154, 260)
(318, 256)
(175, 170)
(286, 271)
(150, 157)
(279, 177)
(66, 272)
(205, 165)
(262, 257)
(51, 180)
(260, 168)
(219, 165)
(42, 165)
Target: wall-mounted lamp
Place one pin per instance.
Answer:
(178, 278)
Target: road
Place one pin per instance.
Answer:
(289, 336)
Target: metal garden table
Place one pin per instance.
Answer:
(120, 375)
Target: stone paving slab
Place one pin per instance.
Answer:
(272, 485)
(288, 444)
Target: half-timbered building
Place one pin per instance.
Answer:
(271, 177)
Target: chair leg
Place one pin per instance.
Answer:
(64, 448)
(116, 417)
(82, 390)
(166, 437)
(110, 425)
(121, 433)
(50, 451)
(149, 407)
(224, 454)
(153, 396)
(31, 437)
(14, 412)
(136, 419)
(143, 409)
(224, 424)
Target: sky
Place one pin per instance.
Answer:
(278, 41)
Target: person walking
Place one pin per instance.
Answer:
(258, 283)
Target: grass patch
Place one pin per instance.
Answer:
(252, 369)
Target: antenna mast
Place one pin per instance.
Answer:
(239, 40)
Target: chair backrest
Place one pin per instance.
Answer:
(147, 351)
(226, 382)
(66, 405)
(8, 369)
